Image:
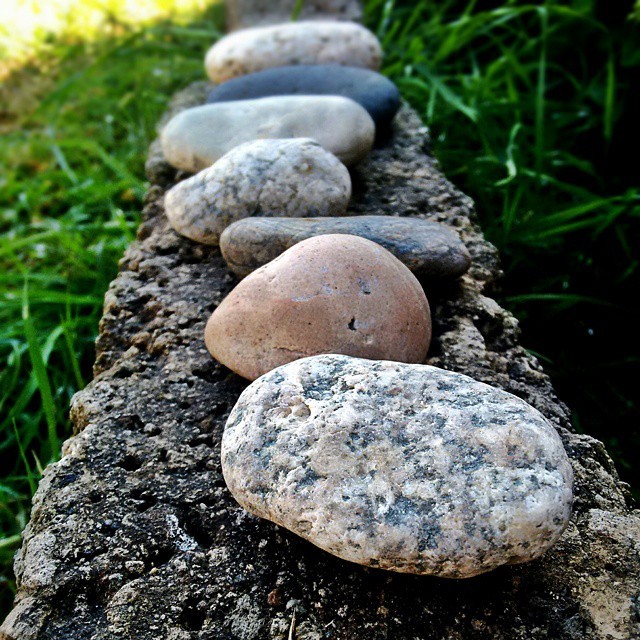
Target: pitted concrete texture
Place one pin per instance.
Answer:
(252, 13)
(133, 533)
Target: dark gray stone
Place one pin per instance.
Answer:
(133, 534)
(429, 249)
(377, 94)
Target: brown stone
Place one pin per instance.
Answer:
(328, 294)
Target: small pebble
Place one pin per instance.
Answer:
(195, 138)
(328, 294)
(377, 94)
(429, 249)
(306, 42)
(398, 466)
(282, 177)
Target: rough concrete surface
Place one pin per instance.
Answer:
(250, 13)
(288, 177)
(133, 533)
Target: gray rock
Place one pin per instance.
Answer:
(377, 94)
(141, 479)
(250, 13)
(307, 42)
(429, 249)
(398, 466)
(289, 177)
(195, 138)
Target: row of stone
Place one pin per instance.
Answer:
(399, 466)
(289, 177)
(295, 178)
(314, 79)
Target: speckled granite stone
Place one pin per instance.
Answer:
(290, 177)
(306, 42)
(195, 138)
(429, 249)
(397, 466)
(133, 533)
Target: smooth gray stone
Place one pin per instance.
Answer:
(282, 177)
(251, 13)
(404, 467)
(195, 138)
(429, 249)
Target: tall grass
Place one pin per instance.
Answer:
(70, 196)
(533, 112)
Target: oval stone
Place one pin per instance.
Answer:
(402, 467)
(377, 94)
(429, 249)
(195, 138)
(328, 294)
(289, 177)
(306, 42)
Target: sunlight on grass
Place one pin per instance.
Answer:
(27, 27)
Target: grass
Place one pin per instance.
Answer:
(532, 108)
(533, 112)
(70, 196)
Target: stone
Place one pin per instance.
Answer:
(397, 466)
(377, 94)
(195, 138)
(307, 42)
(250, 13)
(429, 249)
(327, 294)
(140, 480)
(285, 177)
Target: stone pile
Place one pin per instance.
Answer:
(365, 452)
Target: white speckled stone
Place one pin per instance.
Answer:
(286, 177)
(305, 42)
(398, 466)
(195, 138)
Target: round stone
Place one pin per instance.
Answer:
(429, 249)
(328, 294)
(397, 466)
(195, 138)
(306, 42)
(286, 177)
(377, 94)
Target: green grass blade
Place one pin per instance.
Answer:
(42, 379)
